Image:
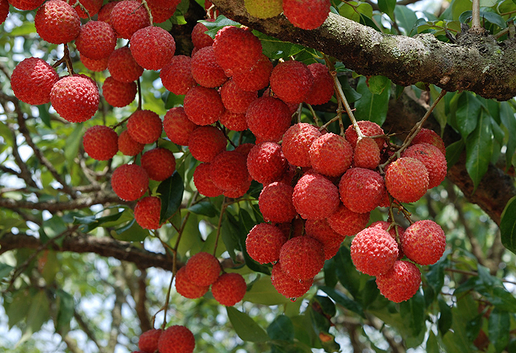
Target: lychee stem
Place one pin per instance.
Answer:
(314, 115)
(144, 3)
(140, 99)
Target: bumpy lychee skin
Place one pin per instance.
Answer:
(203, 183)
(238, 192)
(264, 8)
(306, 14)
(159, 14)
(321, 230)
(233, 121)
(96, 40)
(367, 153)
(4, 10)
(302, 257)
(148, 341)
(118, 94)
(159, 163)
(199, 37)
(122, 66)
(431, 137)
(315, 197)
(203, 105)
(235, 99)
(264, 242)
(127, 145)
(186, 288)
(144, 126)
(177, 126)
(205, 69)
(361, 190)
(100, 142)
(24, 5)
(176, 76)
(297, 141)
(401, 282)
(268, 118)
(291, 81)
(256, 77)
(129, 182)
(406, 179)
(395, 231)
(229, 289)
(105, 12)
(288, 286)
(147, 212)
(368, 128)
(127, 17)
(165, 4)
(266, 162)
(95, 65)
(373, 251)
(75, 98)
(176, 339)
(206, 142)
(432, 158)
(203, 269)
(92, 6)
(229, 170)
(346, 222)
(32, 80)
(236, 48)
(275, 202)
(322, 88)
(424, 242)
(330, 155)
(152, 47)
(57, 22)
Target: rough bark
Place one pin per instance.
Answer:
(477, 63)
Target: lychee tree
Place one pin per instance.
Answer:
(243, 175)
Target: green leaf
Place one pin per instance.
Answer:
(245, 327)
(51, 266)
(73, 141)
(479, 148)
(413, 311)
(387, 7)
(171, 194)
(445, 317)
(274, 48)
(508, 225)
(65, 311)
(346, 271)
(39, 313)
(220, 22)
(509, 121)
(371, 106)
(23, 30)
(453, 152)
(132, 231)
(44, 114)
(18, 309)
(440, 108)
(499, 329)
(351, 95)
(88, 223)
(263, 292)
(406, 19)
(281, 329)
(377, 84)
(467, 114)
(5, 270)
(431, 343)
(204, 208)
(345, 301)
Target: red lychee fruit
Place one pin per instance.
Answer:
(203, 183)
(302, 257)
(32, 80)
(233, 121)
(203, 269)
(361, 190)
(406, 179)
(297, 141)
(291, 81)
(95, 65)
(4, 10)
(105, 12)
(266, 162)
(330, 155)
(392, 231)
(130, 182)
(24, 5)
(144, 126)
(96, 40)
(176, 76)
(315, 197)
(431, 137)
(322, 86)
(236, 48)
(159, 14)
(123, 67)
(275, 203)
(205, 69)
(57, 22)
(127, 145)
(368, 128)
(75, 98)
(117, 93)
(165, 4)
(424, 242)
(321, 230)
(264, 242)
(432, 158)
(159, 163)
(346, 222)
(256, 77)
(177, 126)
(367, 154)
(238, 192)
(288, 286)
(244, 148)
(235, 99)
(186, 288)
(373, 251)
(268, 118)
(127, 17)
(206, 142)
(176, 339)
(147, 212)
(152, 47)
(229, 170)
(100, 142)
(401, 282)
(229, 289)
(148, 341)
(202, 105)
(306, 14)
(199, 37)
(92, 6)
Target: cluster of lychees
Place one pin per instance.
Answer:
(174, 339)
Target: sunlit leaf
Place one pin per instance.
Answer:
(245, 327)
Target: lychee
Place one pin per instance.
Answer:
(127, 17)
(92, 6)
(176, 339)
(117, 93)
(159, 163)
(148, 341)
(361, 190)
(144, 126)
(57, 22)
(229, 289)
(147, 212)
(306, 14)
(75, 98)
(373, 251)
(176, 76)
(424, 242)
(205, 69)
(431, 137)
(205, 142)
(268, 118)
(254, 78)
(401, 282)
(368, 128)
(322, 86)
(406, 179)
(203, 269)
(330, 155)
(346, 222)
(264, 242)
(367, 154)
(315, 197)
(96, 40)
(264, 8)
(235, 99)
(203, 183)
(432, 158)
(275, 202)
(266, 162)
(127, 145)
(291, 81)
(321, 230)
(199, 37)
(229, 170)
(122, 66)
(95, 65)
(288, 286)
(186, 288)
(32, 80)
(100, 142)
(297, 141)
(152, 47)
(24, 5)
(203, 105)
(233, 121)
(129, 182)
(177, 126)
(302, 257)
(236, 48)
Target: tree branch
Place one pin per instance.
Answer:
(478, 63)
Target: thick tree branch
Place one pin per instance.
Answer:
(478, 63)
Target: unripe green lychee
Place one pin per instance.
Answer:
(264, 8)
